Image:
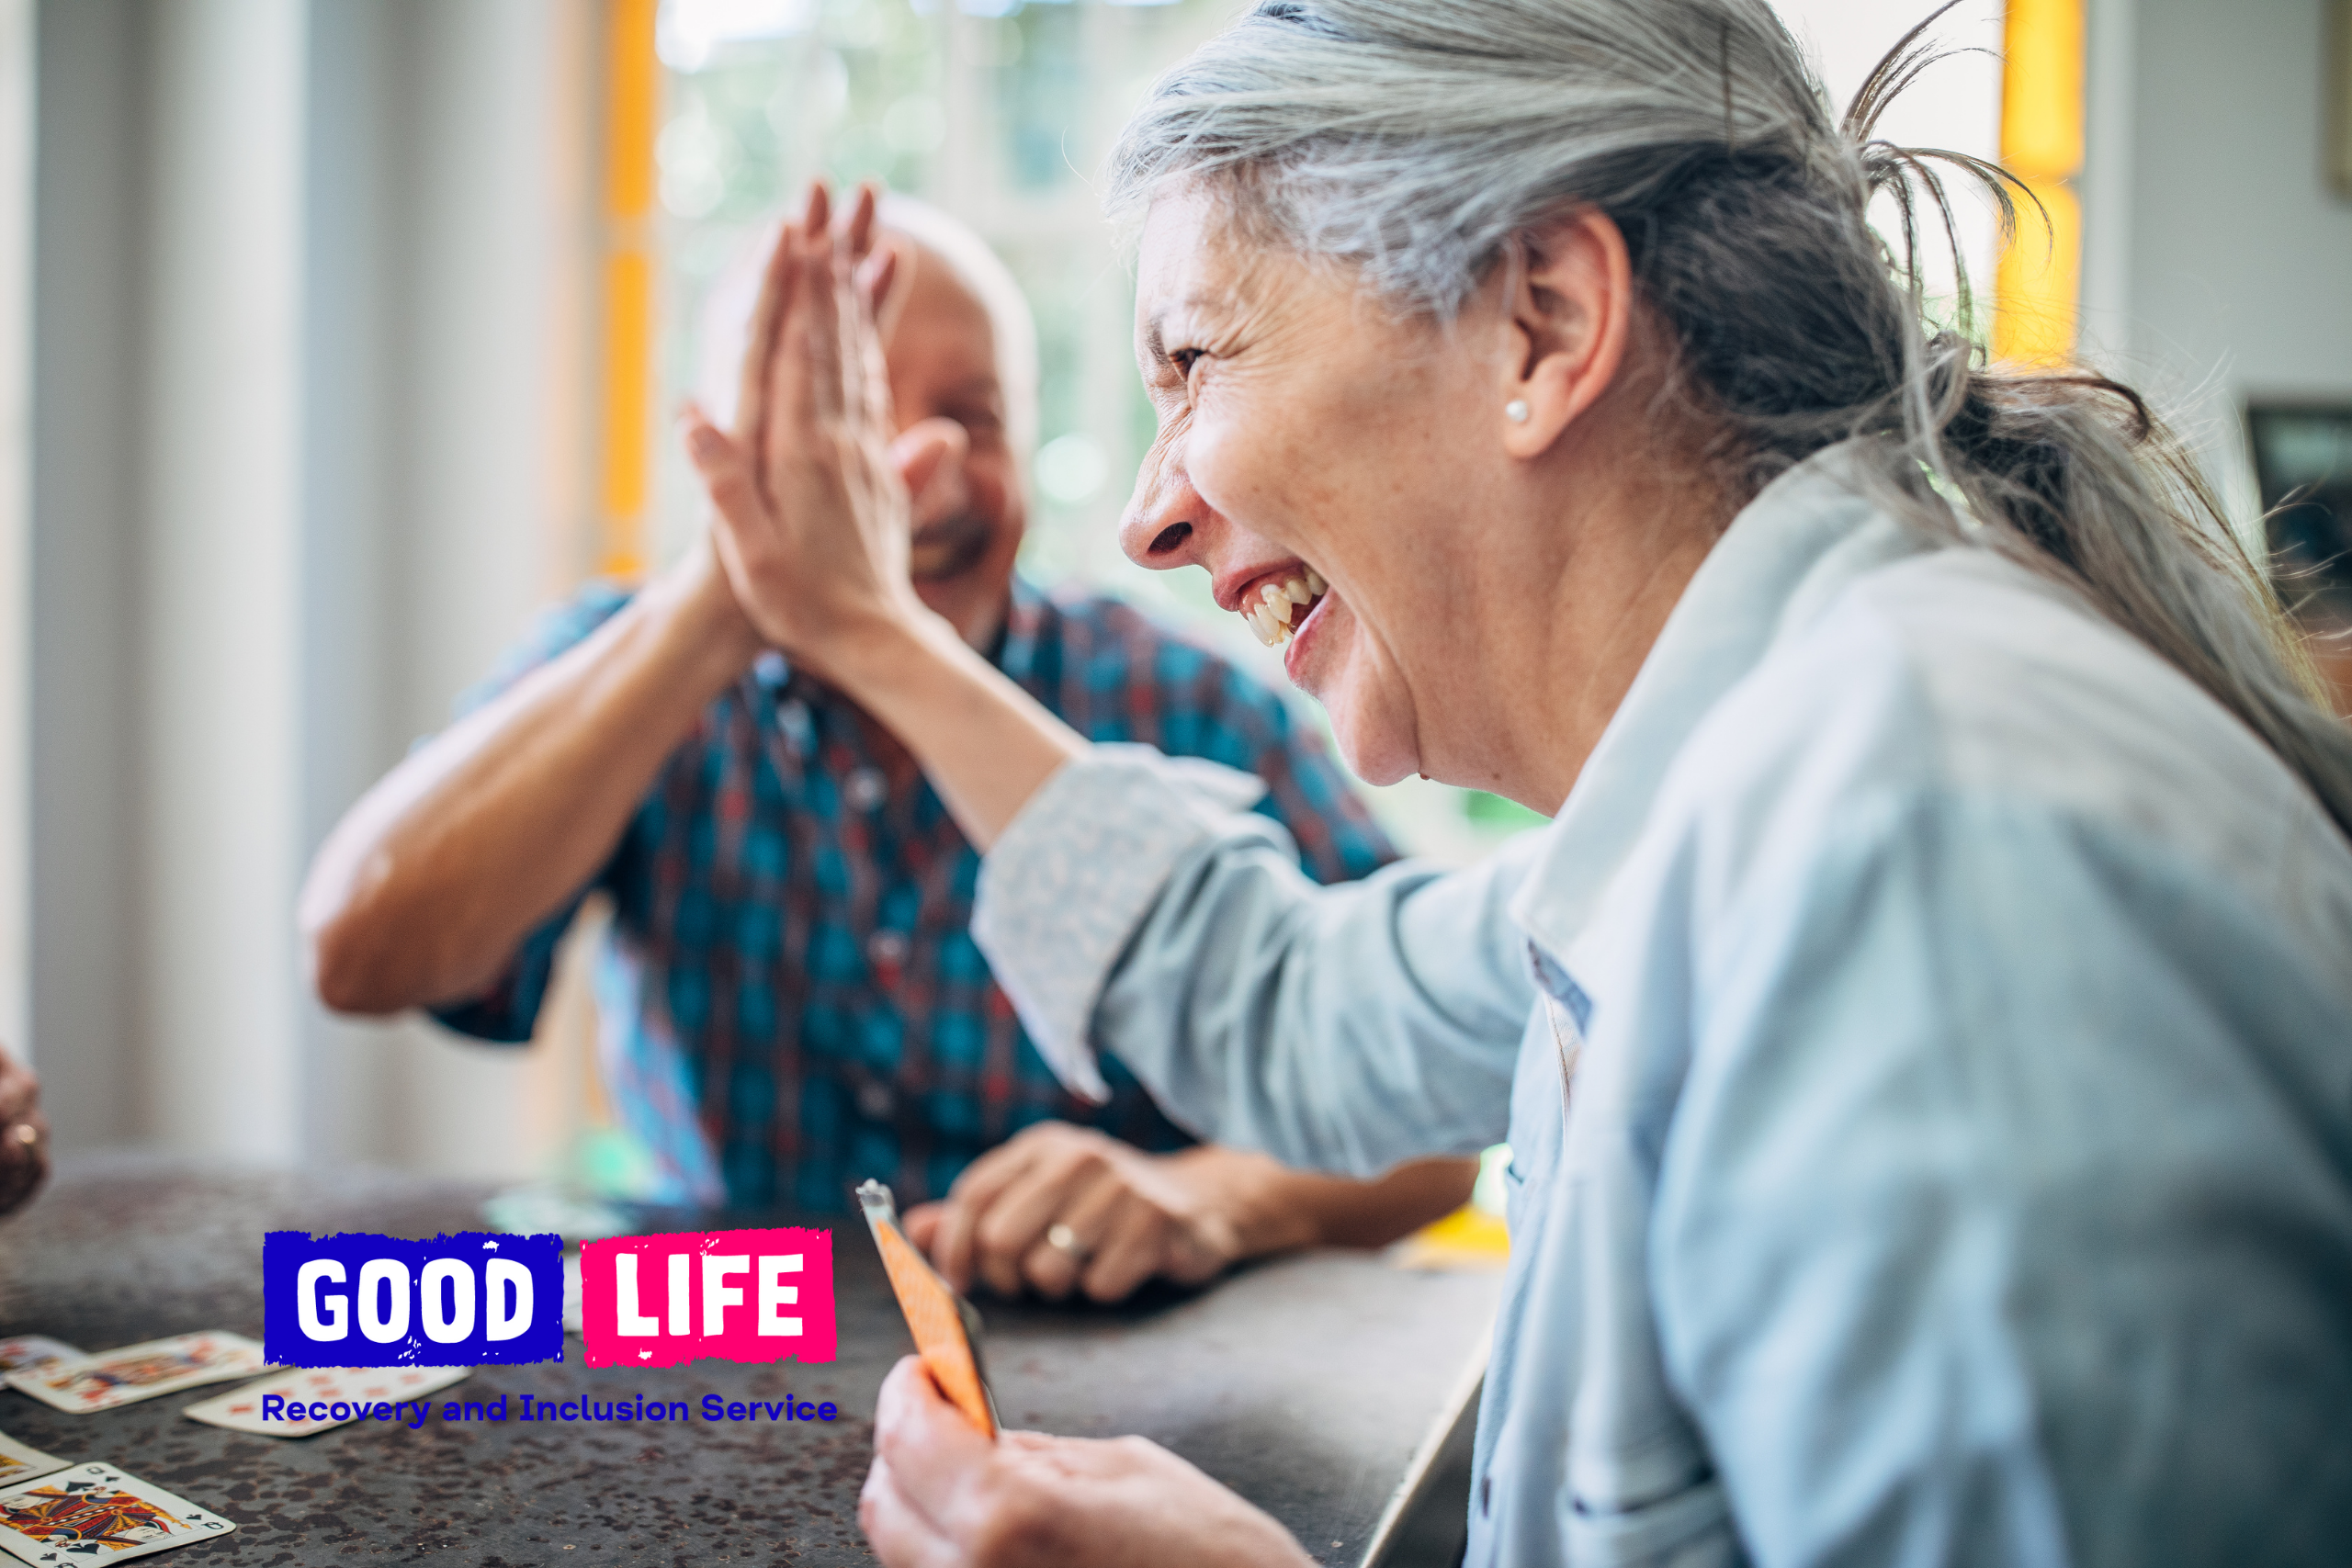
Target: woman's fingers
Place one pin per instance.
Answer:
(859, 230)
(873, 367)
(758, 347)
(796, 398)
(862, 307)
(827, 363)
(866, 389)
(899, 1534)
(819, 318)
(934, 1452)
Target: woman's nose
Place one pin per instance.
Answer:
(1163, 526)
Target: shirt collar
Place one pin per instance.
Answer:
(1785, 557)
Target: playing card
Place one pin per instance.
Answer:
(95, 1511)
(946, 1329)
(141, 1371)
(361, 1388)
(22, 1461)
(30, 1350)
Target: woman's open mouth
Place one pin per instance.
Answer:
(1277, 607)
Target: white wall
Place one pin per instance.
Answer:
(2218, 261)
(17, 78)
(301, 467)
(85, 965)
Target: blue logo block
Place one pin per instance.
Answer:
(470, 1300)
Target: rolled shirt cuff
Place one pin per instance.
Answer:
(1072, 876)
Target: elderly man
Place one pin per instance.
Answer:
(792, 999)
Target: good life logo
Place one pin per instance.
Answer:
(468, 1300)
(483, 1299)
(748, 1295)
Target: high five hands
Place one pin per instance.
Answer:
(811, 496)
(810, 490)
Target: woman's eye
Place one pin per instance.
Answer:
(1183, 359)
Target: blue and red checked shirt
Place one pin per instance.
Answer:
(791, 1000)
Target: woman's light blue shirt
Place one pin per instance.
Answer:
(1924, 1037)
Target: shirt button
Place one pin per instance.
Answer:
(886, 948)
(865, 788)
(873, 1101)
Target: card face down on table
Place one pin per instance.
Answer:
(946, 1329)
(95, 1513)
(361, 1388)
(112, 1378)
(22, 1461)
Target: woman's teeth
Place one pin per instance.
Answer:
(1276, 609)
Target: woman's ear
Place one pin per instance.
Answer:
(1570, 306)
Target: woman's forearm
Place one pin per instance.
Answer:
(985, 744)
(426, 886)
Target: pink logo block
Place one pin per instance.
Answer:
(656, 1301)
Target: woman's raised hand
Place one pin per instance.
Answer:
(811, 526)
(811, 509)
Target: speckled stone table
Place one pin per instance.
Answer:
(1310, 1384)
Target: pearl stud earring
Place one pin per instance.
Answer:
(1515, 410)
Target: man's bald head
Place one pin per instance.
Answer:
(934, 250)
(962, 352)
(945, 249)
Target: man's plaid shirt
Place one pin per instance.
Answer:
(791, 998)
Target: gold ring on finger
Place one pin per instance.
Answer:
(1063, 1239)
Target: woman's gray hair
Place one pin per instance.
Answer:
(1420, 141)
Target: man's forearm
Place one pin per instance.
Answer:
(424, 890)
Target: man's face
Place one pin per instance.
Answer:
(969, 518)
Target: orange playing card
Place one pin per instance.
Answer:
(946, 1329)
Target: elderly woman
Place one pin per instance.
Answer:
(1932, 1138)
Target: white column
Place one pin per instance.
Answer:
(220, 629)
(487, 142)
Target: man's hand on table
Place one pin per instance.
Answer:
(940, 1495)
(23, 1135)
(1062, 1209)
